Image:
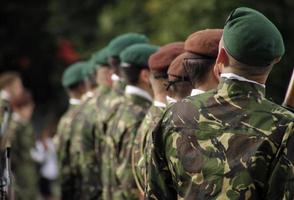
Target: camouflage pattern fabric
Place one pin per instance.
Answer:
(23, 167)
(5, 117)
(121, 132)
(142, 145)
(108, 105)
(229, 143)
(85, 146)
(70, 184)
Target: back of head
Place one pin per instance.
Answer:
(204, 46)
(101, 66)
(159, 63)
(252, 39)
(134, 59)
(161, 59)
(180, 84)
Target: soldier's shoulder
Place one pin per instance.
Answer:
(277, 110)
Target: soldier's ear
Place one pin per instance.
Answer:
(144, 76)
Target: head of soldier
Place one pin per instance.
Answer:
(118, 44)
(202, 50)
(179, 84)
(250, 46)
(23, 106)
(73, 80)
(102, 67)
(134, 65)
(159, 63)
(89, 76)
(11, 83)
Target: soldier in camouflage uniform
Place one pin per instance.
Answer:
(10, 87)
(108, 104)
(85, 146)
(231, 142)
(122, 128)
(191, 69)
(73, 81)
(158, 65)
(23, 167)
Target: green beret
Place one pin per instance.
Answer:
(101, 57)
(137, 55)
(73, 74)
(88, 68)
(251, 38)
(119, 43)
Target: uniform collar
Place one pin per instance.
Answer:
(159, 104)
(133, 90)
(170, 100)
(74, 101)
(195, 92)
(235, 87)
(239, 78)
(115, 77)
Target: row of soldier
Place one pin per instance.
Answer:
(187, 120)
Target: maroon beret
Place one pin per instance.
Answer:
(204, 42)
(160, 61)
(177, 69)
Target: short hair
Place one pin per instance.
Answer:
(76, 85)
(198, 68)
(247, 70)
(7, 78)
(180, 89)
(131, 74)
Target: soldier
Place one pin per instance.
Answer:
(22, 139)
(202, 50)
(10, 87)
(122, 128)
(108, 104)
(158, 65)
(85, 143)
(231, 142)
(73, 81)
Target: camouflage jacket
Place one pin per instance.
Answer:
(142, 145)
(5, 117)
(229, 143)
(108, 105)
(70, 183)
(22, 165)
(85, 145)
(121, 132)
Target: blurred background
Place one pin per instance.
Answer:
(40, 39)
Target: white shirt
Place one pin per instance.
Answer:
(159, 104)
(130, 89)
(195, 92)
(47, 158)
(73, 101)
(115, 77)
(170, 100)
(239, 78)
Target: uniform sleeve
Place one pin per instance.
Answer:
(281, 180)
(159, 179)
